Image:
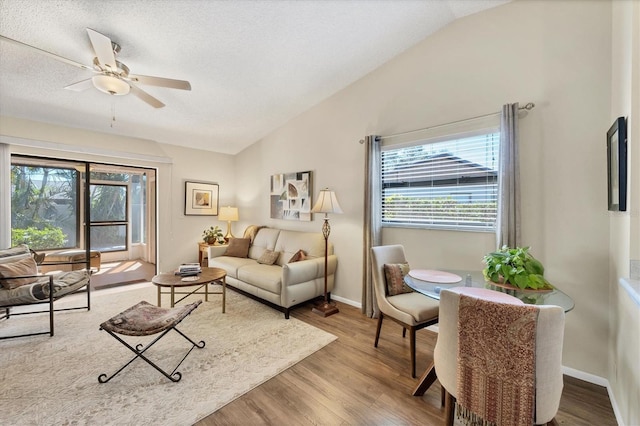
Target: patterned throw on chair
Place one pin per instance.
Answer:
(494, 387)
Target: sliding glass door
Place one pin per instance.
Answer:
(53, 199)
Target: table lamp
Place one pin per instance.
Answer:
(327, 203)
(230, 214)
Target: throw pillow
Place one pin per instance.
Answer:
(238, 247)
(298, 256)
(269, 257)
(394, 274)
(6, 254)
(25, 266)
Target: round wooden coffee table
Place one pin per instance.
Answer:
(208, 275)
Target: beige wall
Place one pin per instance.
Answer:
(553, 53)
(178, 235)
(624, 233)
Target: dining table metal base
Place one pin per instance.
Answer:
(427, 379)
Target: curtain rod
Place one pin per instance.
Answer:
(529, 106)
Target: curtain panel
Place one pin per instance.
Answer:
(372, 219)
(5, 194)
(508, 223)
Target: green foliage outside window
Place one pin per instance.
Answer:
(38, 239)
(425, 210)
(43, 206)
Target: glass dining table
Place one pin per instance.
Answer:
(459, 278)
(431, 282)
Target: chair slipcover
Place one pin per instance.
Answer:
(548, 353)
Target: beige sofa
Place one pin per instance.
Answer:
(283, 284)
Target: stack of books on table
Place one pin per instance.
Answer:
(189, 269)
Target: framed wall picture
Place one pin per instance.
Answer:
(200, 199)
(290, 196)
(617, 165)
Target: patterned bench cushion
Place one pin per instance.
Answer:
(145, 319)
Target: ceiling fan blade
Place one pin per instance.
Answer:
(146, 97)
(160, 82)
(80, 86)
(44, 52)
(103, 49)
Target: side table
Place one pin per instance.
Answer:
(203, 252)
(203, 279)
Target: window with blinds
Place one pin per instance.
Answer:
(448, 184)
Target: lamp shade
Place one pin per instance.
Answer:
(326, 203)
(110, 85)
(229, 214)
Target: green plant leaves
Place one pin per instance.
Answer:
(515, 266)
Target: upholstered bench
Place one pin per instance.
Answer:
(145, 319)
(70, 260)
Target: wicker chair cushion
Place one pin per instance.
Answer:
(63, 283)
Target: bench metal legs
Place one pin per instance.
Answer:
(140, 349)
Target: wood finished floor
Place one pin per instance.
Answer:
(349, 382)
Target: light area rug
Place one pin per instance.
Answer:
(54, 380)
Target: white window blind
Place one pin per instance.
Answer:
(446, 184)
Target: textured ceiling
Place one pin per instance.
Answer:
(253, 65)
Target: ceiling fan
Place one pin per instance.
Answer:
(112, 76)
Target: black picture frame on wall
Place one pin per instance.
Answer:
(617, 165)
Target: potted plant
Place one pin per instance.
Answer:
(517, 267)
(213, 235)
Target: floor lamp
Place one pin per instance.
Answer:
(230, 214)
(327, 203)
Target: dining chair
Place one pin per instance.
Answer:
(412, 310)
(492, 341)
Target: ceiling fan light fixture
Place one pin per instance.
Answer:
(110, 85)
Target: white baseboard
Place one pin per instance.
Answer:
(587, 377)
(596, 380)
(346, 301)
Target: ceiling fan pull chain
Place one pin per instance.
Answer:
(113, 113)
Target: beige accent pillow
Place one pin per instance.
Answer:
(269, 257)
(25, 266)
(298, 256)
(238, 247)
(394, 274)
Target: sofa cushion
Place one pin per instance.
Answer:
(394, 274)
(252, 231)
(298, 256)
(266, 277)
(238, 247)
(269, 257)
(23, 266)
(289, 242)
(265, 239)
(230, 264)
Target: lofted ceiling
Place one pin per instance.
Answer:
(252, 65)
